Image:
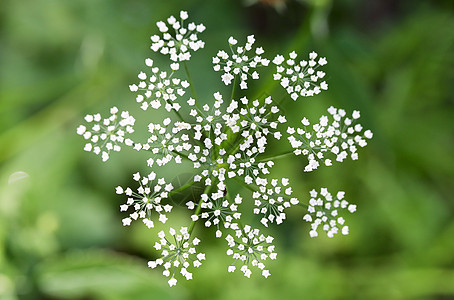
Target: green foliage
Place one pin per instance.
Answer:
(101, 274)
(60, 230)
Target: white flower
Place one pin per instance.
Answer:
(184, 15)
(159, 88)
(335, 136)
(180, 41)
(272, 199)
(217, 210)
(257, 119)
(177, 253)
(246, 165)
(224, 140)
(146, 199)
(300, 78)
(324, 211)
(105, 135)
(167, 142)
(249, 249)
(209, 130)
(172, 282)
(240, 64)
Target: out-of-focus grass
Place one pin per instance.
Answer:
(60, 229)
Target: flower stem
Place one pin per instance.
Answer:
(303, 205)
(235, 146)
(277, 156)
(245, 184)
(199, 208)
(182, 188)
(233, 88)
(182, 155)
(190, 80)
(179, 116)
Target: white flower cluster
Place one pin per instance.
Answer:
(325, 212)
(339, 137)
(159, 88)
(272, 198)
(250, 248)
(178, 254)
(150, 193)
(107, 134)
(217, 210)
(178, 43)
(208, 154)
(256, 121)
(247, 167)
(166, 141)
(214, 155)
(240, 64)
(225, 140)
(300, 78)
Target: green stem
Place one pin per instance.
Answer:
(182, 155)
(177, 113)
(235, 146)
(182, 188)
(245, 184)
(199, 207)
(303, 205)
(190, 80)
(277, 156)
(233, 88)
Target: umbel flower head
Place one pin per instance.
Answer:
(256, 120)
(161, 87)
(105, 135)
(249, 248)
(217, 210)
(324, 211)
(226, 141)
(178, 40)
(248, 167)
(209, 155)
(166, 142)
(177, 253)
(338, 137)
(240, 64)
(272, 198)
(150, 193)
(300, 78)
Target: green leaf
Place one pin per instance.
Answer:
(104, 275)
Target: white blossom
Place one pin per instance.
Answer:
(178, 253)
(178, 39)
(159, 88)
(146, 199)
(334, 136)
(247, 166)
(240, 64)
(217, 210)
(209, 130)
(225, 141)
(300, 78)
(249, 248)
(272, 198)
(167, 142)
(105, 135)
(256, 119)
(325, 211)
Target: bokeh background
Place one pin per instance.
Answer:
(60, 231)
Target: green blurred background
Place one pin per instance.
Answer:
(60, 231)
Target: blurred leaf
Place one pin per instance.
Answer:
(104, 275)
